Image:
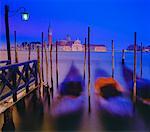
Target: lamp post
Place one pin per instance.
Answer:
(7, 32)
(25, 17)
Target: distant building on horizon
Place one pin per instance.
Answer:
(147, 48)
(144, 48)
(131, 47)
(75, 45)
(98, 47)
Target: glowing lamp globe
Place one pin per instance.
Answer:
(25, 16)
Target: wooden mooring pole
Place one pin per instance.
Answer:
(141, 62)
(39, 64)
(89, 73)
(42, 57)
(51, 66)
(134, 73)
(84, 69)
(123, 56)
(39, 72)
(57, 65)
(46, 60)
(113, 66)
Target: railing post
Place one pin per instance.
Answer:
(14, 81)
(29, 52)
(36, 75)
(27, 77)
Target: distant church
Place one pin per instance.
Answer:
(73, 45)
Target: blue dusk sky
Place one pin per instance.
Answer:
(108, 19)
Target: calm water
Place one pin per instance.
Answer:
(34, 112)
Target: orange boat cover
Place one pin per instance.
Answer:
(101, 82)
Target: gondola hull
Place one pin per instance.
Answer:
(114, 109)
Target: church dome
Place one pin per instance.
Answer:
(77, 41)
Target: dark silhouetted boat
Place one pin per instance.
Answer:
(67, 108)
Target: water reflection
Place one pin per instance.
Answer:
(31, 112)
(8, 121)
(21, 108)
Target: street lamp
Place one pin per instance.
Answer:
(25, 17)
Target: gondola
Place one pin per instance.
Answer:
(67, 108)
(111, 97)
(142, 105)
(142, 87)
(115, 109)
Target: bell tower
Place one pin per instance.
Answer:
(49, 36)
